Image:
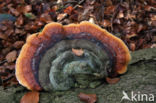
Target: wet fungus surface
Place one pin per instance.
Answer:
(47, 61)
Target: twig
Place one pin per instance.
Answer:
(72, 2)
(11, 76)
(2, 62)
(80, 2)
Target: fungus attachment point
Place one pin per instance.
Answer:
(64, 57)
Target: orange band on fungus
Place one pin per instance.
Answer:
(25, 62)
(123, 55)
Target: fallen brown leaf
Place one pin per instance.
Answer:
(132, 46)
(18, 31)
(112, 80)
(18, 44)
(11, 56)
(68, 10)
(61, 16)
(30, 26)
(77, 52)
(130, 35)
(88, 98)
(14, 11)
(3, 28)
(153, 46)
(140, 42)
(2, 71)
(19, 20)
(3, 36)
(9, 32)
(10, 66)
(153, 17)
(109, 10)
(45, 17)
(14, 81)
(27, 8)
(148, 8)
(106, 23)
(121, 14)
(30, 97)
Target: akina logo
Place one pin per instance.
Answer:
(138, 97)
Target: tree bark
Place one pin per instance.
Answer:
(140, 78)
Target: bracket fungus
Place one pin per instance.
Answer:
(47, 61)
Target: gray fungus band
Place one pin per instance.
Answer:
(64, 70)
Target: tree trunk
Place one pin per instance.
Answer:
(140, 78)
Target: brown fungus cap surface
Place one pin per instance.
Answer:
(27, 64)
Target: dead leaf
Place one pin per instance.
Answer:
(5, 51)
(30, 26)
(153, 23)
(77, 52)
(109, 10)
(30, 97)
(61, 16)
(3, 36)
(18, 44)
(91, 20)
(148, 8)
(109, 2)
(117, 21)
(14, 81)
(11, 56)
(24, 8)
(19, 20)
(74, 16)
(10, 67)
(131, 35)
(3, 28)
(106, 23)
(132, 46)
(68, 10)
(153, 46)
(9, 32)
(121, 14)
(112, 80)
(59, 1)
(140, 42)
(27, 9)
(130, 16)
(14, 11)
(140, 28)
(153, 17)
(45, 17)
(3, 72)
(18, 31)
(154, 39)
(88, 98)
